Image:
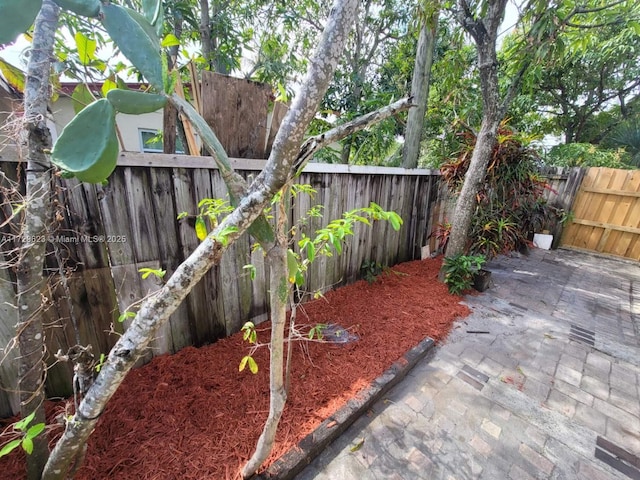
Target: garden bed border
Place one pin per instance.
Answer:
(294, 461)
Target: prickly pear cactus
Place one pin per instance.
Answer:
(139, 44)
(86, 8)
(16, 16)
(88, 146)
(135, 103)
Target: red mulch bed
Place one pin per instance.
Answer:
(192, 415)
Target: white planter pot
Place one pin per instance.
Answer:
(542, 240)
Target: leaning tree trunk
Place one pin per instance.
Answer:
(466, 203)
(420, 90)
(31, 253)
(155, 311)
(484, 33)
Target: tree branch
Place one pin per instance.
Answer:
(313, 144)
(594, 25)
(514, 87)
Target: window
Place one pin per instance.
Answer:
(151, 141)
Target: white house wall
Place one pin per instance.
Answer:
(129, 125)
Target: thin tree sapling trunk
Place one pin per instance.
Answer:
(278, 298)
(33, 234)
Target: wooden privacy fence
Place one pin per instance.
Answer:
(606, 213)
(107, 233)
(563, 184)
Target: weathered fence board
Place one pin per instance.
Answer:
(563, 184)
(9, 401)
(607, 213)
(238, 111)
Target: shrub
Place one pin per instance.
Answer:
(510, 204)
(459, 271)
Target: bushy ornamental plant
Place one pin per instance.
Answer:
(459, 271)
(511, 205)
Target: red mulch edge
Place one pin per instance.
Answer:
(192, 415)
(294, 461)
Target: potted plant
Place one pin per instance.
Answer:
(461, 272)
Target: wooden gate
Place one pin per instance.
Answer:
(606, 213)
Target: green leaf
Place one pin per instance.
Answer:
(100, 363)
(16, 16)
(126, 315)
(311, 251)
(252, 270)
(14, 76)
(27, 445)
(81, 97)
(357, 446)
(243, 363)
(170, 40)
(134, 42)
(635, 25)
(9, 447)
(253, 366)
(86, 48)
(337, 243)
(201, 228)
(152, 271)
(35, 430)
(107, 86)
(22, 424)
(395, 221)
(292, 265)
(223, 235)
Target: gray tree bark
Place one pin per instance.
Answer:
(156, 310)
(279, 294)
(484, 33)
(205, 33)
(420, 90)
(307, 102)
(33, 234)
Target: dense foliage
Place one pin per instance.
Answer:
(510, 201)
(587, 155)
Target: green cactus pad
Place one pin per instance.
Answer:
(135, 102)
(86, 8)
(16, 16)
(88, 145)
(146, 26)
(105, 165)
(134, 42)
